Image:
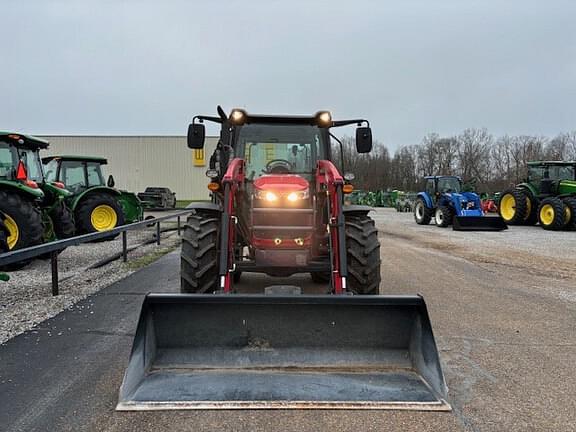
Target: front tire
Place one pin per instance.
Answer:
(422, 214)
(515, 207)
(570, 203)
(199, 256)
(363, 255)
(443, 216)
(99, 212)
(552, 214)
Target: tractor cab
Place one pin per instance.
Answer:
(546, 177)
(436, 186)
(78, 173)
(20, 159)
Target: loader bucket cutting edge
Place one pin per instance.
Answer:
(270, 352)
(479, 223)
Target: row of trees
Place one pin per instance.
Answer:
(492, 163)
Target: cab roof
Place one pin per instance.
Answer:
(97, 159)
(552, 163)
(23, 141)
(442, 176)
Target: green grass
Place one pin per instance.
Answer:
(148, 259)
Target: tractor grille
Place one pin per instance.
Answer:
(282, 222)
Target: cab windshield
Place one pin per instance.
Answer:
(10, 156)
(449, 185)
(279, 149)
(8, 160)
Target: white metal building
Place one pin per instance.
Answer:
(140, 161)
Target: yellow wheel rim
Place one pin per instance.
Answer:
(14, 232)
(508, 207)
(547, 214)
(103, 218)
(528, 208)
(567, 214)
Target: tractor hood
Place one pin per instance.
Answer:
(281, 183)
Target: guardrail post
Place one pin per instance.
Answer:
(179, 230)
(158, 232)
(54, 265)
(124, 246)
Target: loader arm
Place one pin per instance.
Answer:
(231, 182)
(329, 181)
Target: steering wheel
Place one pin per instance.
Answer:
(279, 166)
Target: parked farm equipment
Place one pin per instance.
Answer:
(33, 207)
(444, 200)
(548, 196)
(97, 205)
(278, 209)
(157, 198)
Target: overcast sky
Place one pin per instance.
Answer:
(409, 66)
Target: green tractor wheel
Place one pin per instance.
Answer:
(23, 223)
(570, 203)
(63, 221)
(98, 212)
(552, 214)
(514, 206)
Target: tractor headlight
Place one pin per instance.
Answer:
(324, 118)
(265, 195)
(297, 196)
(273, 197)
(238, 116)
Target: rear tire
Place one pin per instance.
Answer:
(570, 203)
(551, 214)
(363, 255)
(422, 214)
(513, 207)
(63, 221)
(443, 216)
(23, 223)
(199, 256)
(85, 214)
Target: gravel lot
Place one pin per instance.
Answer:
(530, 248)
(27, 298)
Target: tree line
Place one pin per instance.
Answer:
(490, 163)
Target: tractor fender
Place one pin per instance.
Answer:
(22, 189)
(132, 206)
(363, 209)
(426, 199)
(205, 206)
(528, 188)
(76, 199)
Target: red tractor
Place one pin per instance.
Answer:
(277, 207)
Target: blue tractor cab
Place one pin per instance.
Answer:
(444, 200)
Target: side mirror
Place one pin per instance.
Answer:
(111, 183)
(196, 134)
(363, 140)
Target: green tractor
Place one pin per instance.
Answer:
(548, 196)
(97, 205)
(32, 209)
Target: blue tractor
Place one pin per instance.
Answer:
(444, 200)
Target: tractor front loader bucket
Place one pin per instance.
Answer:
(479, 223)
(256, 351)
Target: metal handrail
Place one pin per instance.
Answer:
(53, 248)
